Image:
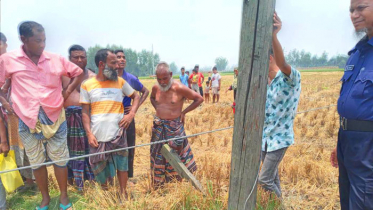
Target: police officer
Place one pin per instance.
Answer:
(354, 152)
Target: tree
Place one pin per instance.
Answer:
(138, 63)
(173, 68)
(221, 63)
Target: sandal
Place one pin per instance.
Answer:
(63, 207)
(44, 208)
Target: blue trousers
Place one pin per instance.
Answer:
(355, 160)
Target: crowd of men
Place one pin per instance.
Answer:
(64, 110)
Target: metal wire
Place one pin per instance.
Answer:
(116, 150)
(140, 145)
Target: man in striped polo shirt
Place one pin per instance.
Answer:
(103, 119)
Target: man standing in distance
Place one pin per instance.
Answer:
(283, 92)
(200, 78)
(183, 77)
(135, 83)
(38, 97)
(78, 170)
(215, 84)
(103, 119)
(354, 151)
(168, 98)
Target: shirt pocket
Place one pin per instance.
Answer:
(363, 86)
(346, 77)
(51, 79)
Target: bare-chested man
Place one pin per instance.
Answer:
(168, 98)
(78, 170)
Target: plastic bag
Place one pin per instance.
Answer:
(11, 180)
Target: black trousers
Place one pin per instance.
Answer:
(131, 140)
(201, 91)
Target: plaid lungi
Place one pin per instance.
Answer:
(162, 171)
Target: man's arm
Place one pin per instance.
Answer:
(152, 96)
(189, 94)
(4, 146)
(144, 95)
(86, 118)
(127, 119)
(277, 48)
(75, 73)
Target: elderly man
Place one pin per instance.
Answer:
(104, 120)
(354, 150)
(135, 83)
(78, 170)
(37, 96)
(283, 91)
(168, 98)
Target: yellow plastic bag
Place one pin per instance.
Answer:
(11, 180)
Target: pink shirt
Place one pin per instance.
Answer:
(36, 85)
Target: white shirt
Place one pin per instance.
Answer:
(215, 80)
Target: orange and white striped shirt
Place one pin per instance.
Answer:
(105, 99)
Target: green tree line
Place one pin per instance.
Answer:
(138, 63)
(305, 59)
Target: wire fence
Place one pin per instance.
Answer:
(140, 145)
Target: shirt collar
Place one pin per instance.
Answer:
(21, 53)
(362, 44)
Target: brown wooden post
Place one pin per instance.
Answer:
(256, 40)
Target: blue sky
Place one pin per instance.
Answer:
(184, 31)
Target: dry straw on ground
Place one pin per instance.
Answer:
(308, 180)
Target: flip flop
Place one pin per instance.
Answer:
(44, 208)
(63, 207)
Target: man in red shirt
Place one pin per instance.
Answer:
(201, 78)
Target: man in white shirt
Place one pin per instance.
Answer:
(215, 84)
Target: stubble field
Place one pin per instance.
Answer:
(308, 180)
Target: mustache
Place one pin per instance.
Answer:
(167, 87)
(110, 73)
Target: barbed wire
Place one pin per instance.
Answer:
(140, 145)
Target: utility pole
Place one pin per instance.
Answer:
(256, 40)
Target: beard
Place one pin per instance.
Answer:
(110, 74)
(360, 34)
(167, 87)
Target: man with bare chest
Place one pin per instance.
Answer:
(78, 170)
(168, 98)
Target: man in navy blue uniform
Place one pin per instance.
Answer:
(137, 85)
(354, 152)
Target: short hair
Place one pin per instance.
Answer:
(214, 68)
(3, 38)
(196, 66)
(182, 68)
(163, 64)
(25, 28)
(76, 47)
(194, 70)
(101, 55)
(119, 50)
(187, 72)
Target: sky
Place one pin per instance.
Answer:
(186, 32)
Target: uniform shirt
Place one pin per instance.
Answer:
(34, 86)
(134, 82)
(356, 95)
(105, 99)
(215, 80)
(281, 106)
(184, 79)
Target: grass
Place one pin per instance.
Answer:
(308, 180)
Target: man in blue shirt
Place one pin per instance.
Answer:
(137, 85)
(283, 91)
(183, 77)
(354, 152)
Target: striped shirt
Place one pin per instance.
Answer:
(105, 100)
